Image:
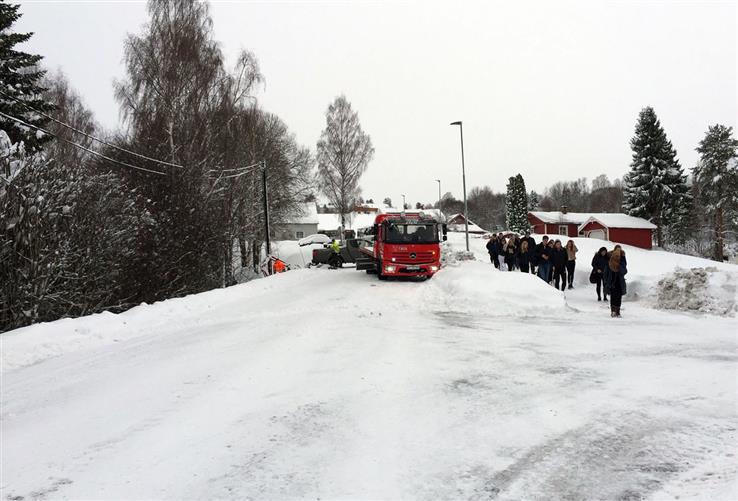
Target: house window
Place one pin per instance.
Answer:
(563, 229)
(299, 234)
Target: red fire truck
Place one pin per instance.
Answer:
(404, 244)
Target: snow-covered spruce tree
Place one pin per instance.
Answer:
(655, 181)
(20, 80)
(516, 205)
(682, 220)
(717, 177)
(533, 201)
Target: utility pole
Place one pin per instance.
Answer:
(440, 210)
(463, 177)
(266, 213)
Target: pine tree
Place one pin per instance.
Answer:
(533, 201)
(717, 176)
(516, 205)
(683, 219)
(20, 79)
(655, 182)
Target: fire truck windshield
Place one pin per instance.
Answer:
(411, 234)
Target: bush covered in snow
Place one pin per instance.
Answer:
(705, 290)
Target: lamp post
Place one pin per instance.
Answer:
(463, 178)
(440, 211)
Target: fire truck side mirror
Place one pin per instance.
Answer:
(444, 230)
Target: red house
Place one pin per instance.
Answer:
(557, 222)
(619, 228)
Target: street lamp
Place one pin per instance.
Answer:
(440, 211)
(463, 177)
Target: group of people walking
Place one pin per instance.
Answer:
(548, 259)
(555, 263)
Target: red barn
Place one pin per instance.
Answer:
(619, 228)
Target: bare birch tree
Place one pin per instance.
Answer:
(343, 153)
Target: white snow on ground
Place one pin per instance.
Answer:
(476, 384)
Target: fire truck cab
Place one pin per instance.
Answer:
(403, 245)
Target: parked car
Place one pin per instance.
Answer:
(317, 238)
(348, 253)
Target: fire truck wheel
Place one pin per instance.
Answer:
(380, 275)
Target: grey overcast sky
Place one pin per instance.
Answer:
(549, 89)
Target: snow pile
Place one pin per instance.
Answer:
(478, 287)
(38, 342)
(706, 290)
(292, 253)
(451, 255)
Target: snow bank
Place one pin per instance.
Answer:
(705, 290)
(648, 271)
(474, 287)
(35, 343)
(293, 254)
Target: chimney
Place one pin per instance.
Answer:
(564, 209)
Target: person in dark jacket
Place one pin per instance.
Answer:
(549, 278)
(543, 256)
(491, 248)
(524, 256)
(558, 261)
(599, 263)
(510, 251)
(531, 251)
(615, 280)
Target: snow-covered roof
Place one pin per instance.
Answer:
(306, 214)
(620, 221)
(473, 228)
(558, 217)
(354, 221)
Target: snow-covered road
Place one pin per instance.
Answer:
(331, 384)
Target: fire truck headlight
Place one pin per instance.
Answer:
(434, 268)
(389, 269)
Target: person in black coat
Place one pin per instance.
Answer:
(558, 261)
(599, 263)
(531, 251)
(510, 250)
(549, 278)
(543, 256)
(491, 248)
(524, 256)
(615, 280)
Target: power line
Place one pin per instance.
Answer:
(89, 136)
(93, 152)
(237, 169)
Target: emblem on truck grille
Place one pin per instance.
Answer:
(412, 255)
